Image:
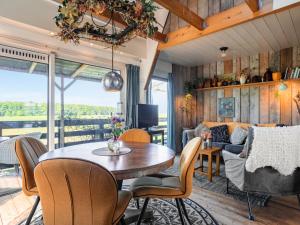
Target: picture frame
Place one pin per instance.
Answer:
(226, 107)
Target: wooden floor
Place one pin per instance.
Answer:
(280, 211)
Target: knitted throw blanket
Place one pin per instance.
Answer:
(278, 147)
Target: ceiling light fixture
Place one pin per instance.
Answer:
(52, 33)
(223, 51)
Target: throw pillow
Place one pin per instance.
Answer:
(220, 134)
(199, 129)
(248, 144)
(238, 136)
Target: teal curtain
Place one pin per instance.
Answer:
(171, 113)
(132, 95)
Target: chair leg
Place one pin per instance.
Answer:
(32, 211)
(179, 211)
(185, 211)
(298, 196)
(250, 217)
(227, 186)
(143, 211)
(122, 221)
(137, 201)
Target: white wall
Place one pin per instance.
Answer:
(162, 69)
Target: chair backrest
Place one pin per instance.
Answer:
(188, 158)
(28, 151)
(76, 192)
(135, 135)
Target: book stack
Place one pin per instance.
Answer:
(292, 73)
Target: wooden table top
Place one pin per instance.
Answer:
(211, 150)
(144, 159)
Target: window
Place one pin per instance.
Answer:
(83, 107)
(159, 96)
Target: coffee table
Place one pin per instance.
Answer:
(210, 152)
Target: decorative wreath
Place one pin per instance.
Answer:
(138, 15)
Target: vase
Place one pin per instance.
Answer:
(209, 143)
(243, 79)
(276, 76)
(204, 144)
(268, 75)
(113, 145)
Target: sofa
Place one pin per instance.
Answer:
(264, 180)
(189, 134)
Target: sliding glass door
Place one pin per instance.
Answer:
(159, 96)
(83, 108)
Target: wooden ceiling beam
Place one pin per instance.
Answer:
(224, 20)
(253, 5)
(158, 36)
(183, 12)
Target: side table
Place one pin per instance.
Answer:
(210, 152)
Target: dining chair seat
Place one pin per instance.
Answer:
(157, 187)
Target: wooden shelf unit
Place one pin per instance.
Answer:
(269, 83)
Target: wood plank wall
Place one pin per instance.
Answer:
(252, 104)
(203, 8)
(263, 104)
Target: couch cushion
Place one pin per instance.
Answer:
(220, 134)
(235, 149)
(199, 129)
(238, 136)
(220, 145)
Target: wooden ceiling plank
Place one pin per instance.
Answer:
(253, 5)
(224, 20)
(158, 36)
(295, 13)
(182, 11)
(287, 26)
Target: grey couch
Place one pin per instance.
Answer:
(264, 180)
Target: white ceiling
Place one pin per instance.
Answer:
(273, 32)
(36, 16)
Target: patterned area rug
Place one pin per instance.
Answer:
(218, 185)
(164, 213)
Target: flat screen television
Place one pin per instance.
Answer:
(147, 115)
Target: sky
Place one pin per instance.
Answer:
(24, 87)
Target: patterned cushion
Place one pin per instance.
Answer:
(238, 136)
(220, 134)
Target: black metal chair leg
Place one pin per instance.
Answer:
(32, 211)
(137, 201)
(185, 211)
(179, 211)
(227, 186)
(122, 221)
(143, 211)
(250, 217)
(298, 196)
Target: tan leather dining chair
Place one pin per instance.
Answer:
(28, 151)
(135, 135)
(165, 186)
(79, 192)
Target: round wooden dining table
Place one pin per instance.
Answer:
(142, 160)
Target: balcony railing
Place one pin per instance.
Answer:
(76, 131)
